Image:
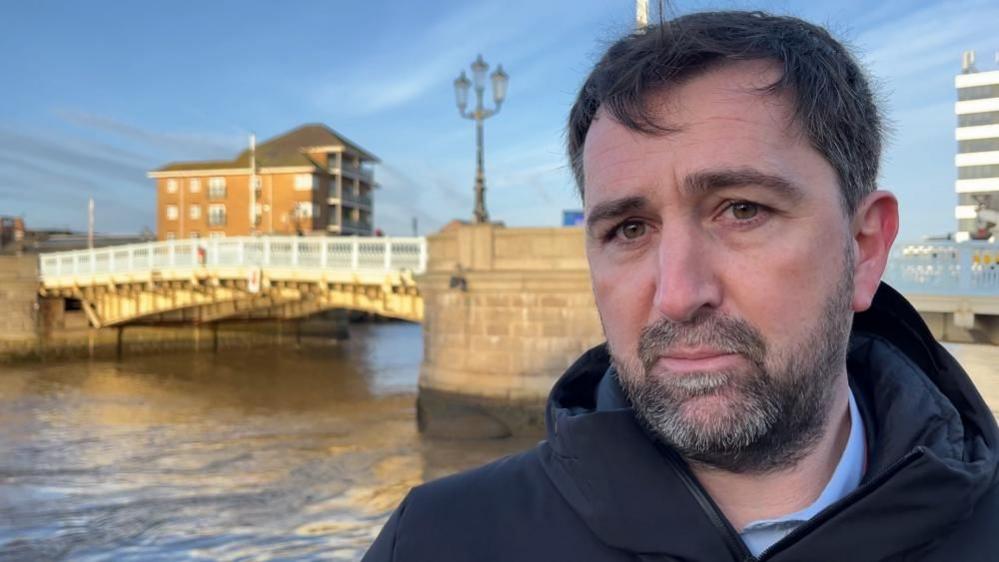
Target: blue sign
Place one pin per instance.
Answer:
(572, 218)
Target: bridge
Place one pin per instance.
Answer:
(959, 279)
(208, 280)
(504, 309)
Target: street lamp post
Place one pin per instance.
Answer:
(480, 114)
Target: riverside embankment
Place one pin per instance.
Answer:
(37, 328)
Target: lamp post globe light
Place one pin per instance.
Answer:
(479, 114)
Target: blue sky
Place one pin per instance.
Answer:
(95, 94)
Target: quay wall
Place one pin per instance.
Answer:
(944, 327)
(37, 328)
(82, 342)
(18, 298)
(506, 310)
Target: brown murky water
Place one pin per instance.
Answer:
(248, 455)
(245, 455)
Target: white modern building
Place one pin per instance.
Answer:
(977, 158)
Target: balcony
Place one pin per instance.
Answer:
(362, 172)
(349, 199)
(355, 227)
(357, 200)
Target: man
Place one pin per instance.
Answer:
(761, 396)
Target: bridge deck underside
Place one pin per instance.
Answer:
(977, 304)
(203, 295)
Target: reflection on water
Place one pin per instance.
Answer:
(261, 454)
(244, 455)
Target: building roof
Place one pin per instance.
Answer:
(289, 149)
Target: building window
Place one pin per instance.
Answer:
(977, 145)
(195, 235)
(968, 198)
(978, 92)
(194, 212)
(216, 234)
(216, 188)
(171, 186)
(978, 172)
(171, 212)
(194, 185)
(304, 209)
(216, 215)
(978, 119)
(170, 236)
(305, 182)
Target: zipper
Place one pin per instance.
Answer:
(826, 514)
(732, 539)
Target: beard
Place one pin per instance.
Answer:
(775, 408)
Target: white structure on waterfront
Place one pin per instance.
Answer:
(977, 158)
(208, 280)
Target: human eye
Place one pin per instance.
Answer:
(627, 231)
(744, 213)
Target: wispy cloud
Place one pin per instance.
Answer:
(48, 198)
(916, 43)
(380, 82)
(434, 55)
(167, 144)
(56, 151)
(401, 198)
(49, 176)
(50, 181)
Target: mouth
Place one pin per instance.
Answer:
(697, 360)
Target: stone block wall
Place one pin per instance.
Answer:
(33, 328)
(18, 297)
(505, 312)
(985, 328)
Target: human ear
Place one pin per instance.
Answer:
(873, 228)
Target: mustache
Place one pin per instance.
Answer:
(707, 329)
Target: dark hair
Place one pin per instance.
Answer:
(833, 101)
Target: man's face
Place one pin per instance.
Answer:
(722, 264)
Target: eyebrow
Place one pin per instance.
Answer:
(612, 209)
(699, 183)
(703, 182)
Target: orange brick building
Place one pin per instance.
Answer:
(310, 180)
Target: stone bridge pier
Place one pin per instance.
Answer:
(506, 310)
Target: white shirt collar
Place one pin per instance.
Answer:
(759, 535)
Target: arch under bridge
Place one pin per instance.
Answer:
(208, 280)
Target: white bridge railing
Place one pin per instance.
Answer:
(967, 268)
(945, 268)
(337, 253)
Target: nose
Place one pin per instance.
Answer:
(687, 281)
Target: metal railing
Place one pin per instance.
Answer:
(967, 268)
(348, 197)
(945, 268)
(363, 254)
(361, 172)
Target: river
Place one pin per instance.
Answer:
(242, 455)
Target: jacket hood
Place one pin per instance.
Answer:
(931, 441)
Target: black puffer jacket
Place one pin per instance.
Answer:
(600, 489)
